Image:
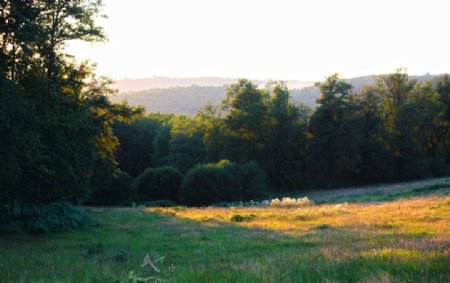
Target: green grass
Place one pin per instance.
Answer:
(441, 189)
(405, 241)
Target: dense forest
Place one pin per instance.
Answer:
(188, 99)
(395, 129)
(63, 140)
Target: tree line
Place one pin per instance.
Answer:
(396, 129)
(63, 140)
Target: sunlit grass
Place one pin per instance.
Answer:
(398, 241)
(423, 215)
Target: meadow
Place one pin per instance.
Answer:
(399, 235)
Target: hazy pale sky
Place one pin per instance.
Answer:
(278, 39)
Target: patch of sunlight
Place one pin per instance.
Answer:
(397, 217)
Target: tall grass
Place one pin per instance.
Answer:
(399, 241)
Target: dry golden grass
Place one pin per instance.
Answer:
(413, 230)
(398, 241)
(429, 215)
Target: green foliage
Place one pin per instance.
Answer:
(414, 123)
(377, 160)
(393, 130)
(209, 120)
(161, 145)
(54, 113)
(118, 192)
(161, 183)
(335, 131)
(443, 91)
(135, 152)
(186, 151)
(62, 138)
(221, 182)
(285, 139)
(20, 144)
(249, 178)
(53, 217)
(245, 122)
(207, 184)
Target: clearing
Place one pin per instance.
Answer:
(387, 233)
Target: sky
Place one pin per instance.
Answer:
(277, 39)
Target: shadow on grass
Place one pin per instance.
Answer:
(215, 251)
(382, 196)
(247, 254)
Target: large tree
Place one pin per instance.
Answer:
(334, 150)
(245, 122)
(405, 105)
(65, 107)
(443, 90)
(285, 139)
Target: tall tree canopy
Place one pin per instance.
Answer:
(66, 145)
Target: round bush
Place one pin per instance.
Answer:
(161, 183)
(207, 184)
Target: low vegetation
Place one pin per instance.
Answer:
(404, 240)
(158, 184)
(54, 217)
(207, 184)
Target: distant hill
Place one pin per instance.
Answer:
(133, 85)
(176, 100)
(128, 85)
(179, 96)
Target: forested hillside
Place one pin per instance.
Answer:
(159, 82)
(175, 100)
(258, 140)
(169, 97)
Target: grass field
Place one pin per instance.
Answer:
(399, 236)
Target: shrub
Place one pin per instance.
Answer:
(162, 183)
(54, 217)
(206, 184)
(221, 182)
(118, 192)
(242, 218)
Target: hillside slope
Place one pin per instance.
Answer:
(177, 97)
